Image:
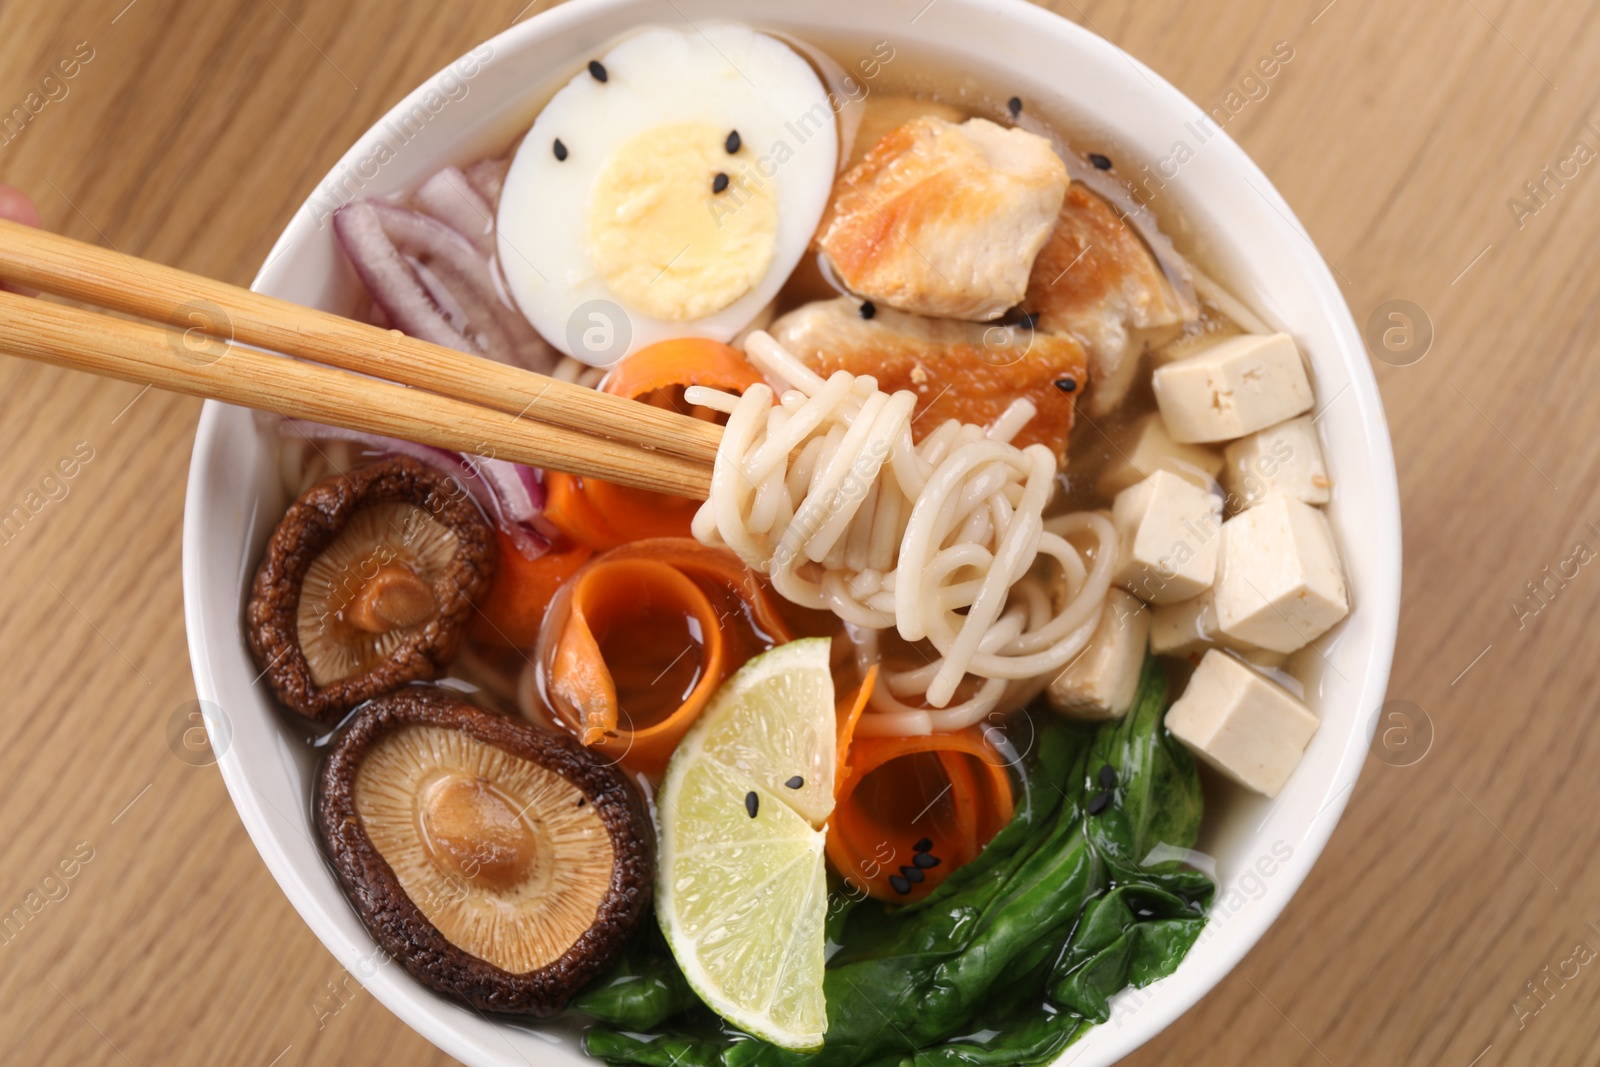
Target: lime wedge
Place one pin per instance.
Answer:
(742, 892)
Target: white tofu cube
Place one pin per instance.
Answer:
(1144, 448)
(1278, 585)
(1189, 628)
(1168, 529)
(1286, 458)
(1252, 730)
(1235, 387)
(1100, 683)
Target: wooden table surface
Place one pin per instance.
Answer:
(1404, 132)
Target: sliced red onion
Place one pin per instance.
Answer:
(519, 490)
(488, 176)
(450, 197)
(517, 501)
(509, 493)
(389, 279)
(436, 284)
(432, 275)
(534, 483)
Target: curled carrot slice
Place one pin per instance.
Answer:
(568, 507)
(510, 613)
(637, 641)
(940, 797)
(849, 713)
(623, 598)
(680, 362)
(602, 515)
(752, 617)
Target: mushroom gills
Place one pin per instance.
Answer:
(503, 856)
(370, 588)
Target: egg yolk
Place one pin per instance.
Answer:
(664, 239)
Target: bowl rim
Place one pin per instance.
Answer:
(1380, 602)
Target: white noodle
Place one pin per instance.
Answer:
(715, 399)
(824, 492)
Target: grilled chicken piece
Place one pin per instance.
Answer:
(944, 219)
(959, 370)
(1096, 280)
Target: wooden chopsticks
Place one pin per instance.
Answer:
(454, 400)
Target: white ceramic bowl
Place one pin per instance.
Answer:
(1263, 849)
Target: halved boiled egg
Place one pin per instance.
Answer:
(667, 191)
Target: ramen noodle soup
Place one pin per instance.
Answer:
(1013, 535)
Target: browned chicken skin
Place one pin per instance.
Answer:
(959, 370)
(1095, 280)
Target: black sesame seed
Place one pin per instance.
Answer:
(733, 143)
(1014, 105)
(1100, 803)
(1066, 385)
(752, 803)
(925, 845)
(582, 801)
(868, 309)
(560, 150)
(598, 71)
(719, 183)
(899, 885)
(925, 860)
(796, 782)
(1100, 162)
(913, 875)
(1108, 776)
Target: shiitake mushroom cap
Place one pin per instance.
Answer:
(399, 924)
(310, 528)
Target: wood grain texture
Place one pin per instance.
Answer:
(1401, 131)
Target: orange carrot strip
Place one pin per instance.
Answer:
(639, 512)
(602, 515)
(642, 586)
(679, 362)
(510, 613)
(849, 713)
(963, 796)
(579, 679)
(718, 567)
(871, 838)
(604, 596)
(569, 509)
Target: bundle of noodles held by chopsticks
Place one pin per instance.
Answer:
(820, 486)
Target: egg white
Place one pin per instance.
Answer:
(728, 76)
